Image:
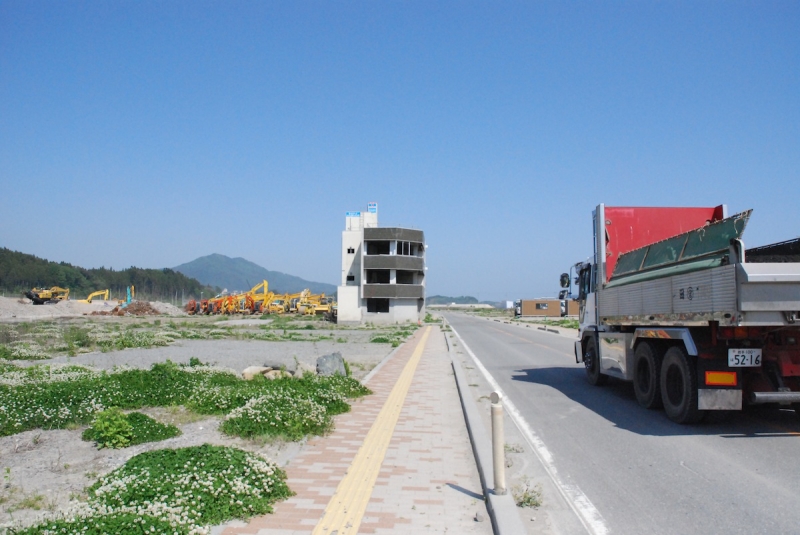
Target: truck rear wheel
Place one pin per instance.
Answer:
(591, 360)
(679, 387)
(647, 374)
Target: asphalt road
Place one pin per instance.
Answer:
(632, 468)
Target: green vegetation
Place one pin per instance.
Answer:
(176, 491)
(395, 337)
(55, 397)
(43, 340)
(567, 323)
(112, 428)
(526, 495)
(493, 312)
(20, 272)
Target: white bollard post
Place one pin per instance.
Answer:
(498, 444)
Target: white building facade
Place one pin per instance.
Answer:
(383, 271)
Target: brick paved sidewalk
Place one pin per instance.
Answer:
(428, 482)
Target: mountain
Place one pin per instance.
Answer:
(238, 274)
(20, 272)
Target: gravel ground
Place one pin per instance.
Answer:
(237, 354)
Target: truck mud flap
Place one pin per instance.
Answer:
(716, 399)
(578, 352)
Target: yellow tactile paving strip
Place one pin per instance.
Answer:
(348, 504)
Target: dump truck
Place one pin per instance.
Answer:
(673, 302)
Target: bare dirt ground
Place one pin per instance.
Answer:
(22, 309)
(45, 471)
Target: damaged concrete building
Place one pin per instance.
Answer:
(383, 271)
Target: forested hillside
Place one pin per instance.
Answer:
(238, 274)
(20, 272)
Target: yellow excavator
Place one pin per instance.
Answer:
(308, 303)
(41, 296)
(325, 306)
(279, 305)
(295, 298)
(98, 293)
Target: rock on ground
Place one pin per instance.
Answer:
(332, 364)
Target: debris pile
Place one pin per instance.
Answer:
(136, 308)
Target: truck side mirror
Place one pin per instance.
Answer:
(564, 280)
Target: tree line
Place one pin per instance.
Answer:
(20, 272)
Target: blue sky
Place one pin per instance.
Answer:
(152, 133)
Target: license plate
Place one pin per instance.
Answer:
(744, 358)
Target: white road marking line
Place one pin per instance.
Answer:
(587, 513)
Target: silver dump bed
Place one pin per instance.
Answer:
(661, 285)
(745, 294)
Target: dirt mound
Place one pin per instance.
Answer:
(136, 308)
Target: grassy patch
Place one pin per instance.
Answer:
(57, 397)
(566, 323)
(176, 491)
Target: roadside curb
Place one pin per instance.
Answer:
(502, 510)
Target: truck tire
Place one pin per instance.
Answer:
(679, 387)
(647, 374)
(591, 360)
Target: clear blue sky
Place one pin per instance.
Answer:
(151, 133)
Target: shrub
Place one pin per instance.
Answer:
(142, 429)
(110, 429)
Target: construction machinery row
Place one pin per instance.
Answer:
(260, 300)
(56, 294)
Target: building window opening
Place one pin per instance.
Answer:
(406, 248)
(405, 277)
(351, 250)
(378, 276)
(377, 305)
(351, 278)
(377, 247)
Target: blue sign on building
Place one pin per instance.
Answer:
(372, 207)
(352, 214)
